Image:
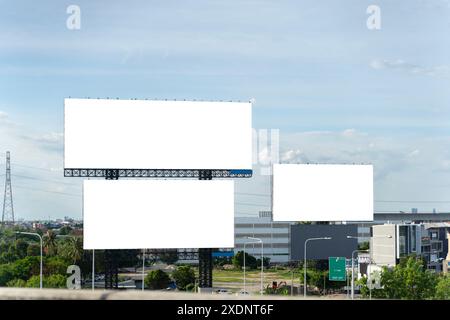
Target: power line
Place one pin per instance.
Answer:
(40, 179)
(413, 201)
(48, 191)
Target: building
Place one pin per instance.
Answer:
(342, 241)
(275, 237)
(435, 244)
(391, 242)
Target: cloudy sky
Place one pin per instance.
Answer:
(337, 91)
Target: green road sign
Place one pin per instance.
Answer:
(337, 269)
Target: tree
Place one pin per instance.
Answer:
(8, 256)
(266, 262)
(26, 267)
(169, 256)
(443, 288)
(407, 280)
(21, 247)
(183, 276)
(72, 249)
(6, 274)
(49, 240)
(363, 245)
(238, 261)
(157, 279)
(56, 265)
(34, 249)
(65, 230)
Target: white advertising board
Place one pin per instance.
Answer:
(322, 192)
(156, 214)
(149, 134)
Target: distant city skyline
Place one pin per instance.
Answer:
(337, 91)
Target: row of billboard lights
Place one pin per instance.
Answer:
(155, 99)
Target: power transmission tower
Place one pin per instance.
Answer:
(8, 209)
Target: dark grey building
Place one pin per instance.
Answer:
(338, 246)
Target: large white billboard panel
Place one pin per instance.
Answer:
(148, 134)
(156, 214)
(322, 192)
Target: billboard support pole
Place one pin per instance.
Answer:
(205, 260)
(111, 268)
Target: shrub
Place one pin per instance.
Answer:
(443, 288)
(16, 283)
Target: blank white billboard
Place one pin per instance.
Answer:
(322, 192)
(149, 134)
(156, 214)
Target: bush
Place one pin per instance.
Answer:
(443, 288)
(16, 283)
(53, 281)
(34, 282)
(183, 276)
(157, 279)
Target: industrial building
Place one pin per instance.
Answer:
(274, 235)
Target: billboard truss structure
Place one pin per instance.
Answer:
(155, 173)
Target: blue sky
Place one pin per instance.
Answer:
(338, 92)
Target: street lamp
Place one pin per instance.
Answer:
(40, 239)
(143, 268)
(353, 267)
(256, 240)
(304, 261)
(93, 269)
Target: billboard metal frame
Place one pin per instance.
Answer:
(155, 173)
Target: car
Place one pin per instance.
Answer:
(223, 291)
(243, 293)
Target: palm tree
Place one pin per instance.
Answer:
(49, 240)
(74, 249)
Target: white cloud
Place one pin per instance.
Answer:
(440, 70)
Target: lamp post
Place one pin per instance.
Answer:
(256, 240)
(353, 268)
(304, 261)
(93, 269)
(143, 268)
(353, 253)
(40, 239)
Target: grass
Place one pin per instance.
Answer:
(269, 275)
